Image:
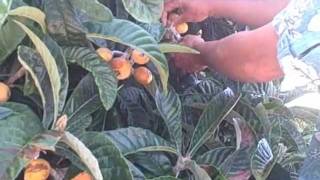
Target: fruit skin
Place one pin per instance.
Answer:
(122, 68)
(143, 75)
(139, 58)
(182, 28)
(5, 92)
(38, 169)
(83, 176)
(105, 54)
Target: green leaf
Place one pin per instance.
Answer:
(20, 133)
(132, 140)
(156, 30)
(112, 164)
(219, 107)
(176, 48)
(130, 34)
(82, 103)
(63, 24)
(32, 13)
(84, 153)
(262, 161)
(164, 178)
(57, 53)
(33, 63)
(197, 171)
(94, 9)
(170, 109)
(49, 63)
(147, 11)
(136, 173)
(11, 36)
(215, 157)
(5, 6)
(101, 71)
(311, 165)
(5, 112)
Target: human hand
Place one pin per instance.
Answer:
(181, 11)
(190, 63)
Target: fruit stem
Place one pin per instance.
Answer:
(20, 73)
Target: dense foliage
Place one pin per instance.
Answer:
(68, 107)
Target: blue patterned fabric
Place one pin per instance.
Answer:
(298, 27)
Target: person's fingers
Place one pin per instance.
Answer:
(164, 18)
(169, 6)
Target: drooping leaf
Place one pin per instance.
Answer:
(164, 178)
(63, 24)
(169, 106)
(32, 13)
(11, 36)
(310, 168)
(20, 133)
(219, 107)
(102, 72)
(81, 104)
(215, 157)
(57, 53)
(112, 164)
(50, 64)
(136, 173)
(147, 11)
(262, 161)
(157, 30)
(133, 140)
(5, 6)
(130, 34)
(33, 63)
(86, 156)
(94, 9)
(197, 171)
(176, 48)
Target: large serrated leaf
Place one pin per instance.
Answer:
(20, 133)
(112, 164)
(57, 53)
(5, 6)
(170, 109)
(32, 13)
(147, 11)
(130, 34)
(11, 35)
(50, 65)
(262, 161)
(63, 24)
(32, 62)
(215, 157)
(94, 9)
(81, 104)
(84, 153)
(176, 48)
(102, 72)
(219, 107)
(133, 140)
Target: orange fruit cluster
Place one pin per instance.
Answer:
(5, 92)
(123, 67)
(38, 169)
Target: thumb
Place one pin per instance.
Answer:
(176, 19)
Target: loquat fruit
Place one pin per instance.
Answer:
(139, 58)
(5, 92)
(182, 28)
(105, 54)
(143, 75)
(121, 67)
(38, 169)
(83, 176)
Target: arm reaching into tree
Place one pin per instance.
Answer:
(254, 13)
(249, 56)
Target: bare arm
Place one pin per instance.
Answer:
(254, 13)
(247, 56)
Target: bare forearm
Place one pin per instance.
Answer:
(246, 56)
(254, 13)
